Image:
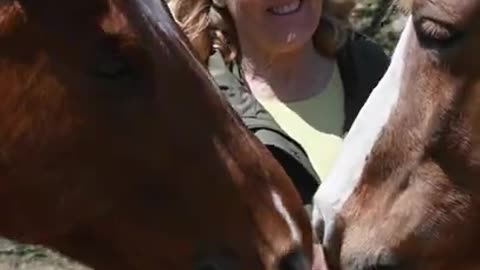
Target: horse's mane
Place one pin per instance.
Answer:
(11, 15)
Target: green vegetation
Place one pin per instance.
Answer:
(380, 20)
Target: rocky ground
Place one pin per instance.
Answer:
(384, 29)
(15, 256)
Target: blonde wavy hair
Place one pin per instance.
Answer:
(211, 27)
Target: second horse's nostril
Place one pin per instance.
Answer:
(381, 267)
(319, 229)
(383, 261)
(318, 222)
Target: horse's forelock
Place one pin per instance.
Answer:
(404, 5)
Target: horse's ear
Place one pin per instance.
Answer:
(11, 15)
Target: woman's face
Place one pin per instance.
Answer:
(275, 24)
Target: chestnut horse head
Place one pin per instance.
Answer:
(117, 150)
(405, 193)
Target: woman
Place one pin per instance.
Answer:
(293, 71)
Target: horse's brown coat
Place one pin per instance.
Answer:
(116, 150)
(417, 205)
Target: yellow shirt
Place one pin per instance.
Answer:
(315, 123)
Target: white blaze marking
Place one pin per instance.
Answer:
(294, 231)
(332, 194)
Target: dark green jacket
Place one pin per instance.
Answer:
(361, 63)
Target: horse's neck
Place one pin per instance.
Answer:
(118, 241)
(90, 249)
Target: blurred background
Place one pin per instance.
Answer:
(380, 20)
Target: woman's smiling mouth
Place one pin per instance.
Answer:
(286, 9)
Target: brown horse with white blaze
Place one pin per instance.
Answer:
(117, 150)
(405, 192)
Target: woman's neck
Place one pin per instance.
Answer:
(288, 76)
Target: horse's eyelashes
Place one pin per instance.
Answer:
(436, 30)
(436, 34)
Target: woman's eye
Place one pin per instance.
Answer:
(434, 33)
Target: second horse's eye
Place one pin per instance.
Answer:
(435, 30)
(433, 33)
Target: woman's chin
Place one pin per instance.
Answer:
(290, 43)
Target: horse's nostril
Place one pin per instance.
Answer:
(294, 260)
(207, 266)
(218, 260)
(319, 228)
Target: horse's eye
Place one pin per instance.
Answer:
(436, 34)
(108, 61)
(111, 67)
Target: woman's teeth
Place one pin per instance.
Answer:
(285, 9)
